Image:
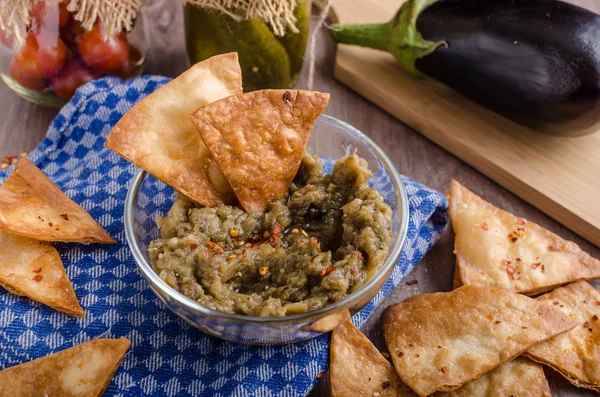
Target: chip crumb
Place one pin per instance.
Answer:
(385, 354)
(412, 282)
(376, 394)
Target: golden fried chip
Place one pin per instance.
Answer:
(496, 248)
(357, 368)
(31, 205)
(519, 377)
(84, 370)
(158, 136)
(441, 341)
(576, 354)
(34, 269)
(258, 140)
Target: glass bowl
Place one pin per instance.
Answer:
(148, 198)
(59, 55)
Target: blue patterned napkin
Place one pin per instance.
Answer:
(168, 357)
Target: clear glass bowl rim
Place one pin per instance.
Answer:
(393, 256)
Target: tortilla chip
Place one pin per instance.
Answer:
(31, 205)
(357, 368)
(496, 248)
(519, 377)
(441, 341)
(158, 136)
(34, 269)
(258, 140)
(84, 370)
(576, 354)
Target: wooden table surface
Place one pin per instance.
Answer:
(23, 125)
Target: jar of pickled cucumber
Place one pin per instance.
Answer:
(270, 56)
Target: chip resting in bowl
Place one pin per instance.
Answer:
(497, 249)
(438, 342)
(31, 205)
(34, 269)
(84, 370)
(157, 135)
(258, 140)
(576, 354)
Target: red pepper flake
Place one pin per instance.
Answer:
(326, 271)
(50, 224)
(277, 229)
(412, 282)
(230, 257)
(210, 244)
(39, 269)
(553, 247)
(521, 222)
(360, 256)
(218, 250)
(535, 265)
(38, 278)
(386, 384)
(511, 271)
(586, 324)
(254, 239)
(65, 216)
(444, 369)
(313, 241)
(485, 226)
(263, 270)
(207, 253)
(193, 246)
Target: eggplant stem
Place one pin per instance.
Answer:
(374, 35)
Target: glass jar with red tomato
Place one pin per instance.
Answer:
(59, 55)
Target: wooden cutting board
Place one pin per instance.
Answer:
(560, 176)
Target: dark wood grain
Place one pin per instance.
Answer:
(23, 125)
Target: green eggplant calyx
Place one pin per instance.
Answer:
(400, 36)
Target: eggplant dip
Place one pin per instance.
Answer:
(326, 239)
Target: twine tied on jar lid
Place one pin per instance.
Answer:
(114, 15)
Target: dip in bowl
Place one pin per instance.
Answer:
(149, 199)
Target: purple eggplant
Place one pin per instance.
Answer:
(536, 62)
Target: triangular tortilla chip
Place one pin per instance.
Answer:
(576, 354)
(158, 136)
(34, 269)
(357, 368)
(31, 205)
(444, 340)
(496, 248)
(519, 378)
(84, 370)
(258, 140)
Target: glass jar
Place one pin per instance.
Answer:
(59, 55)
(267, 60)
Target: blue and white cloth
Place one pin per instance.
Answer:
(168, 357)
